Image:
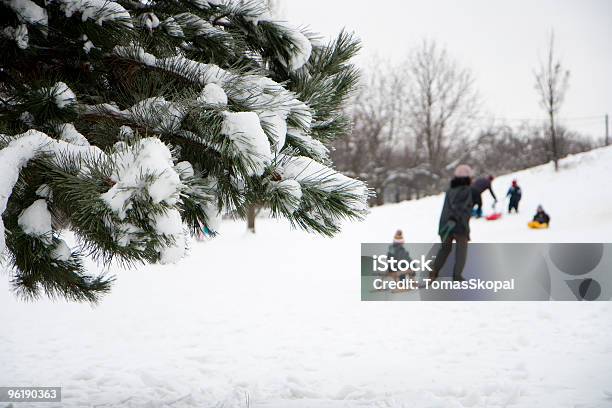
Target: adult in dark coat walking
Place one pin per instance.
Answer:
(455, 222)
(478, 187)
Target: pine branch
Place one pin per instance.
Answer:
(158, 117)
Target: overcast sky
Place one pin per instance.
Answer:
(500, 41)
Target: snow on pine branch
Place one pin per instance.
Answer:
(245, 132)
(269, 100)
(167, 115)
(28, 12)
(256, 11)
(69, 134)
(308, 145)
(145, 171)
(290, 193)
(213, 95)
(256, 92)
(205, 4)
(23, 148)
(99, 11)
(62, 95)
(132, 164)
(172, 28)
(198, 26)
(192, 70)
(155, 113)
(144, 168)
(262, 94)
(310, 173)
(36, 221)
(276, 127)
(19, 34)
(149, 20)
(300, 46)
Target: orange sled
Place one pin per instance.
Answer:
(537, 225)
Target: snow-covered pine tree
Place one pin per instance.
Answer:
(133, 123)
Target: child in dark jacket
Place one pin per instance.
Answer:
(515, 194)
(398, 252)
(540, 220)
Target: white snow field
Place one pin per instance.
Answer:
(275, 320)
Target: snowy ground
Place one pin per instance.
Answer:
(274, 320)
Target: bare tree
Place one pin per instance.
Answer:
(410, 122)
(443, 103)
(504, 149)
(552, 81)
(378, 111)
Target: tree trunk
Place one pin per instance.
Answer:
(553, 135)
(251, 212)
(380, 196)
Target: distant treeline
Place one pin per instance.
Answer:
(414, 122)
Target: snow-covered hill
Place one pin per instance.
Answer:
(275, 320)
(578, 199)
